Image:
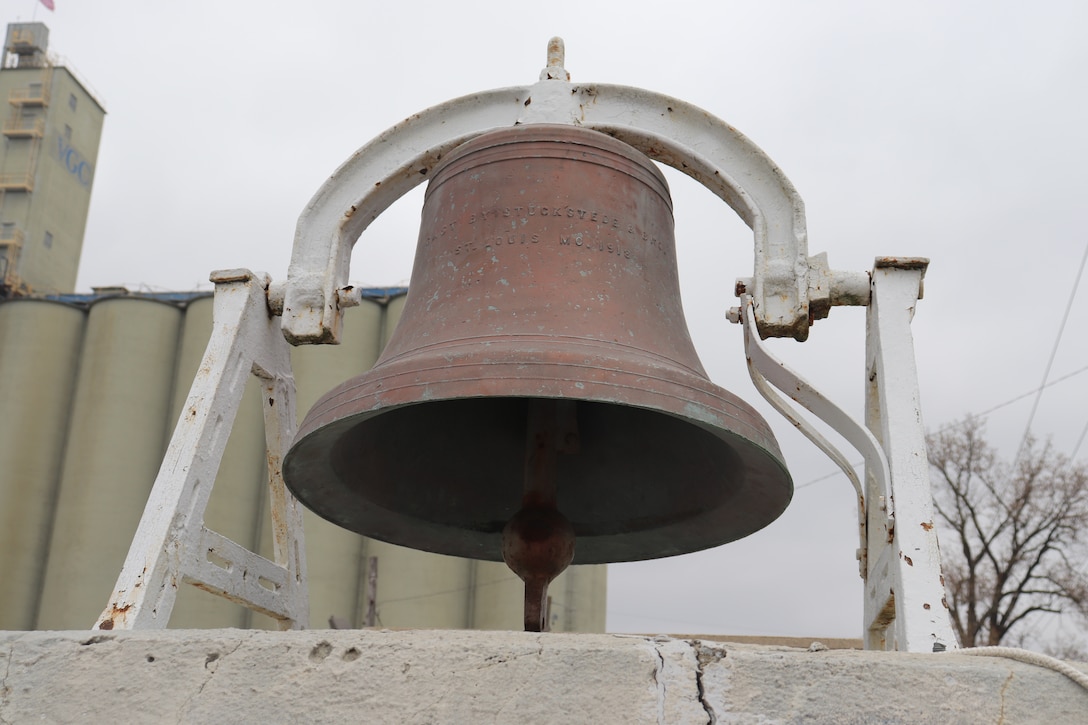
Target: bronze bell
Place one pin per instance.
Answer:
(541, 380)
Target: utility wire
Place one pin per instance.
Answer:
(836, 472)
(456, 590)
(983, 414)
(1080, 440)
(1018, 398)
(1050, 362)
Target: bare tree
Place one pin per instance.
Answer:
(1013, 535)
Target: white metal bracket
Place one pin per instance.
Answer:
(790, 289)
(768, 373)
(172, 545)
(904, 601)
(905, 605)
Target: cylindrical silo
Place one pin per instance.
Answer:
(577, 598)
(332, 553)
(498, 597)
(39, 355)
(419, 589)
(235, 503)
(116, 439)
(393, 310)
(586, 598)
(556, 613)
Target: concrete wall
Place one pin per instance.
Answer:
(91, 393)
(512, 677)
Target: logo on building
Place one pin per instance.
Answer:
(74, 162)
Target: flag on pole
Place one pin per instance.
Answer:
(48, 4)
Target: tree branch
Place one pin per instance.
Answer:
(1018, 532)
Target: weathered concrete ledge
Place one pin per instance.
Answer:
(235, 676)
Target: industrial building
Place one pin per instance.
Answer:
(51, 133)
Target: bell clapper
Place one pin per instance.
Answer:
(538, 542)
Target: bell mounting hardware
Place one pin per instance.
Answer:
(541, 402)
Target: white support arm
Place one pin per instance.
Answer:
(666, 129)
(905, 606)
(172, 545)
(904, 603)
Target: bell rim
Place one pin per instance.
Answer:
(389, 526)
(687, 398)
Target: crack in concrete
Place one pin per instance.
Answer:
(1004, 687)
(493, 660)
(705, 655)
(217, 659)
(5, 691)
(659, 682)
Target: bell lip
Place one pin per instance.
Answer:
(502, 144)
(761, 506)
(683, 396)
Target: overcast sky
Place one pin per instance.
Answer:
(952, 130)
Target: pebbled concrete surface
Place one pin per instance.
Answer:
(316, 676)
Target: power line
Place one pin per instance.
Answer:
(824, 477)
(456, 590)
(1050, 362)
(983, 414)
(1080, 440)
(1018, 398)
